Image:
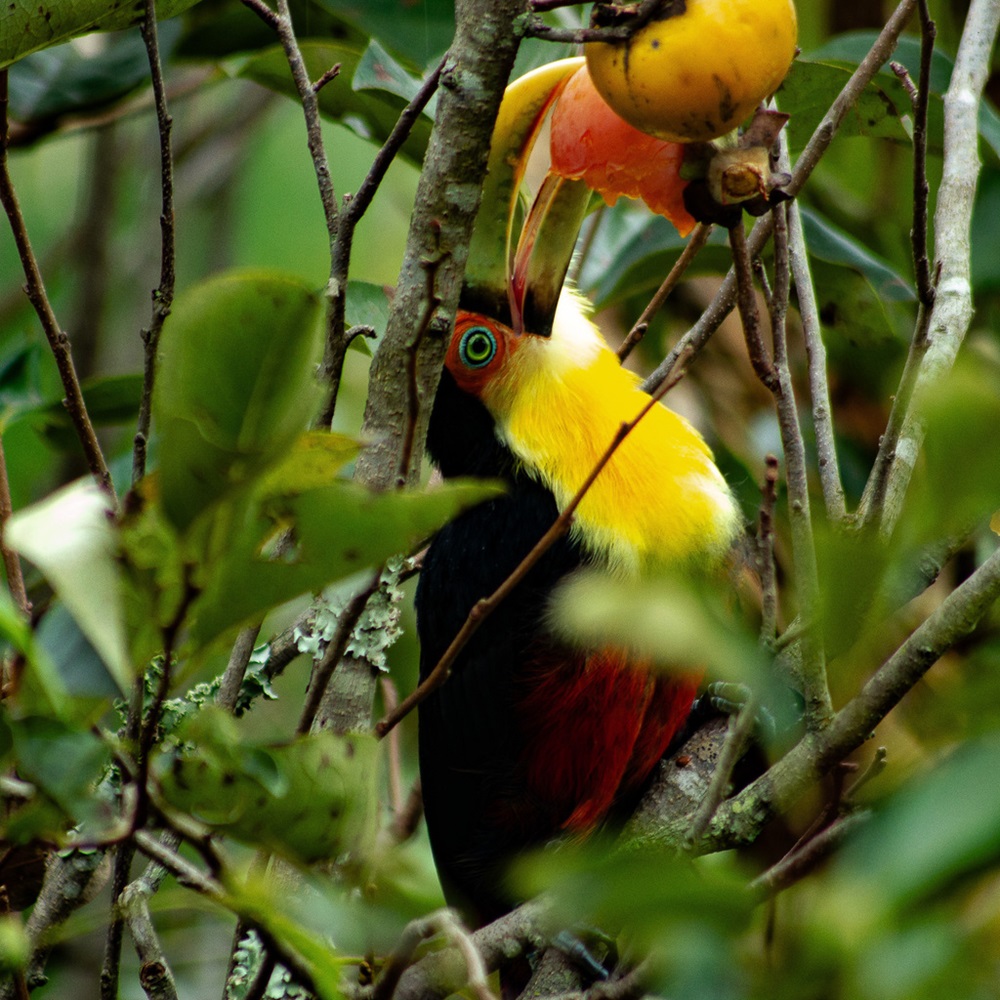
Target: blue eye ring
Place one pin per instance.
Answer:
(478, 347)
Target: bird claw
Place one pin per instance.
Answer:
(580, 954)
(730, 698)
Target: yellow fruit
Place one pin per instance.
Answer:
(698, 68)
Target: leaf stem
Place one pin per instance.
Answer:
(698, 239)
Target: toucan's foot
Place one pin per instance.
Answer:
(582, 954)
(729, 698)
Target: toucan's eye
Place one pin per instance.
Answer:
(477, 347)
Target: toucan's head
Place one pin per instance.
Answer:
(488, 358)
(522, 244)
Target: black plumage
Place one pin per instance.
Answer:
(470, 742)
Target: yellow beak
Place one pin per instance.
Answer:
(520, 287)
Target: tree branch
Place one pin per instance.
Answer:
(163, 295)
(337, 340)
(940, 330)
(698, 239)
(11, 561)
(812, 670)
(819, 387)
(154, 973)
(740, 819)
(448, 193)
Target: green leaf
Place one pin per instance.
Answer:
(336, 530)
(371, 114)
(154, 572)
(314, 460)
(418, 31)
(810, 88)
(957, 486)
(654, 897)
(66, 80)
(634, 250)
(853, 567)
(937, 829)
(301, 921)
(236, 384)
(367, 305)
(311, 800)
(70, 538)
(80, 669)
(681, 624)
(15, 945)
(65, 763)
(853, 46)
(377, 70)
(857, 320)
(830, 243)
(43, 676)
(110, 400)
(218, 29)
(34, 25)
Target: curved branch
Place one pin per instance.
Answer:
(741, 818)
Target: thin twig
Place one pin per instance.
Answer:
(334, 652)
(765, 554)
(149, 726)
(340, 248)
(328, 76)
(796, 865)
(870, 773)
(155, 976)
(405, 822)
(699, 237)
(485, 606)
(921, 189)
(390, 698)
(740, 730)
(236, 668)
(111, 963)
(741, 818)
(638, 16)
(11, 562)
(401, 957)
(431, 303)
(163, 295)
(749, 314)
(281, 23)
(37, 296)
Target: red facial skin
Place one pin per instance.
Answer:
(474, 380)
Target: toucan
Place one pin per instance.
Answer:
(534, 735)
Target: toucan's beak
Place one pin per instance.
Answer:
(544, 252)
(521, 288)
